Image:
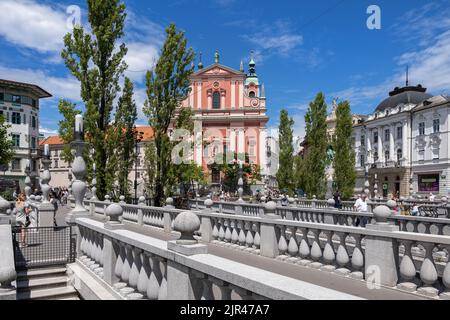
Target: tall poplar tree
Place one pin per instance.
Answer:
(67, 127)
(285, 177)
(316, 155)
(167, 86)
(6, 144)
(124, 133)
(96, 59)
(344, 156)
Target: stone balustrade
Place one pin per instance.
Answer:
(137, 267)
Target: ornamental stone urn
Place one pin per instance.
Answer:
(381, 214)
(186, 222)
(270, 209)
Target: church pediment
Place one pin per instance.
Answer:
(217, 70)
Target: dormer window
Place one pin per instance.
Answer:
(252, 94)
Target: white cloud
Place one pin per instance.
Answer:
(140, 58)
(60, 87)
(48, 132)
(28, 24)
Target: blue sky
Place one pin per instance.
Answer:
(301, 47)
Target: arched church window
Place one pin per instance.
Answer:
(216, 100)
(387, 156)
(252, 94)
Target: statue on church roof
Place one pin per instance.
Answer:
(216, 57)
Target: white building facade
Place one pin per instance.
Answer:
(19, 105)
(402, 147)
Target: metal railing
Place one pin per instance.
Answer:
(43, 246)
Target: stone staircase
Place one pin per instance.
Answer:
(45, 284)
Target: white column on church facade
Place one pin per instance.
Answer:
(233, 94)
(392, 153)
(368, 146)
(222, 99)
(380, 144)
(232, 139)
(209, 106)
(241, 141)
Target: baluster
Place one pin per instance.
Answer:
(120, 259)
(234, 234)
(249, 239)
(316, 251)
(228, 232)
(342, 257)
(257, 240)
(155, 278)
(428, 272)
(144, 274)
(215, 231)
(242, 233)
(328, 253)
(162, 294)
(135, 267)
(446, 277)
(282, 244)
(407, 269)
(304, 250)
(221, 230)
(357, 259)
(293, 246)
(225, 291)
(125, 276)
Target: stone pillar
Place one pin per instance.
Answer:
(381, 256)
(114, 211)
(233, 140)
(46, 209)
(168, 216)
(180, 282)
(7, 272)
(269, 234)
(109, 260)
(206, 223)
(141, 203)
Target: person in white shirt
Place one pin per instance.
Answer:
(361, 206)
(432, 196)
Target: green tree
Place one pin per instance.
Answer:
(167, 86)
(299, 172)
(6, 144)
(124, 133)
(150, 168)
(66, 127)
(344, 157)
(316, 155)
(96, 60)
(286, 159)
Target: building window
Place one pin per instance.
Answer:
(16, 99)
(33, 122)
(435, 153)
(375, 156)
(252, 94)
(16, 140)
(387, 133)
(387, 156)
(56, 163)
(421, 154)
(429, 183)
(15, 118)
(436, 125)
(24, 118)
(421, 128)
(399, 132)
(363, 140)
(33, 142)
(399, 154)
(251, 149)
(216, 100)
(362, 161)
(15, 165)
(2, 96)
(375, 137)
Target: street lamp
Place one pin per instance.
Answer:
(138, 139)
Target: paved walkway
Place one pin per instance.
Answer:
(314, 276)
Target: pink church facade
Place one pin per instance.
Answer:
(230, 108)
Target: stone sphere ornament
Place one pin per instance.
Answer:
(270, 208)
(391, 204)
(114, 211)
(331, 203)
(208, 203)
(382, 213)
(169, 201)
(186, 222)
